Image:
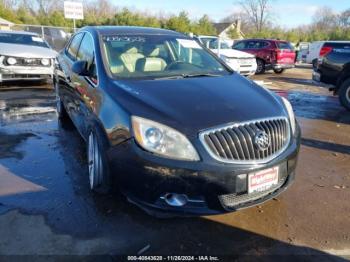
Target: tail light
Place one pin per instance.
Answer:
(278, 54)
(325, 51)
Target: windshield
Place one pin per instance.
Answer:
(213, 43)
(20, 39)
(158, 56)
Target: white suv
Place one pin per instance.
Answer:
(239, 61)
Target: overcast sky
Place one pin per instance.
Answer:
(287, 13)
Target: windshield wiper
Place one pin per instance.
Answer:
(186, 76)
(168, 77)
(199, 75)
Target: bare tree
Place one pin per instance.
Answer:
(258, 12)
(9, 3)
(344, 18)
(324, 18)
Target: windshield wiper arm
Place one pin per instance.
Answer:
(186, 76)
(168, 77)
(199, 75)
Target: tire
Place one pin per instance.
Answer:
(99, 175)
(314, 64)
(260, 69)
(60, 109)
(344, 94)
(278, 71)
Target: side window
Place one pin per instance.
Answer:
(73, 46)
(87, 53)
(239, 45)
(252, 45)
(263, 44)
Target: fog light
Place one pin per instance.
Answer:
(175, 200)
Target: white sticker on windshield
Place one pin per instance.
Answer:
(187, 43)
(37, 39)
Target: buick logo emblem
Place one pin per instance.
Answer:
(262, 140)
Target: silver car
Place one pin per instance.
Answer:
(25, 56)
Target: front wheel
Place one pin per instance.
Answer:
(344, 94)
(279, 71)
(99, 176)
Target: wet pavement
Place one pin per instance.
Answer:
(46, 207)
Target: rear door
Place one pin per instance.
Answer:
(285, 53)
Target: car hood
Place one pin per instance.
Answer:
(231, 53)
(194, 104)
(26, 51)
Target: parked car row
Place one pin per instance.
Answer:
(36, 60)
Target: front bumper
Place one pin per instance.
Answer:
(15, 73)
(283, 66)
(243, 69)
(145, 179)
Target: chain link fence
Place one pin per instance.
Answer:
(57, 37)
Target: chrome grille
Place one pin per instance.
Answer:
(237, 143)
(28, 62)
(246, 61)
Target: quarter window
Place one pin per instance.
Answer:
(74, 46)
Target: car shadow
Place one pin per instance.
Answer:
(293, 80)
(343, 149)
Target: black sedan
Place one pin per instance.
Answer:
(171, 125)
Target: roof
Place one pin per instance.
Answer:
(18, 32)
(264, 39)
(125, 30)
(5, 22)
(220, 27)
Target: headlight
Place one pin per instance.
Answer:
(227, 59)
(11, 61)
(163, 140)
(45, 61)
(233, 63)
(290, 113)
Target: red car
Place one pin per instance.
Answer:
(277, 55)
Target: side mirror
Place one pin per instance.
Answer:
(80, 68)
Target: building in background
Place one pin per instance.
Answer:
(5, 25)
(228, 30)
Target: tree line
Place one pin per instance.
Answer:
(257, 19)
